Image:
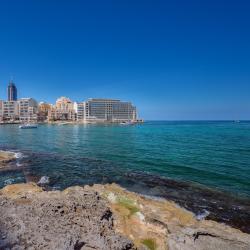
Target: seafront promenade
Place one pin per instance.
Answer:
(72, 122)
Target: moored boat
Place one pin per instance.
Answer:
(127, 123)
(27, 126)
(63, 123)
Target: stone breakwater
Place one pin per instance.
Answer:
(104, 217)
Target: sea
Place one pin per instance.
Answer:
(203, 166)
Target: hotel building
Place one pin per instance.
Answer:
(106, 110)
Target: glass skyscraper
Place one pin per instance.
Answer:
(12, 91)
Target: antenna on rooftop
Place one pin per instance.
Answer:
(11, 78)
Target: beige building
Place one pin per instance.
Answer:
(62, 110)
(28, 109)
(43, 110)
(44, 107)
(10, 110)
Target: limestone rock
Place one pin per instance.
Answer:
(164, 225)
(74, 219)
(105, 217)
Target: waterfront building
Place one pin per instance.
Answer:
(12, 91)
(64, 104)
(44, 107)
(62, 110)
(10, 110)
(1, 110)
(80, 109)
(43, 110)
(28, 109)
(106, 110)
(52, 114)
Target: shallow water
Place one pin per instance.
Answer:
(204, 166)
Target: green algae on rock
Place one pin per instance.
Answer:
(105, 217)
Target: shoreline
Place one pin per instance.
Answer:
(68, 122)
(200, 200)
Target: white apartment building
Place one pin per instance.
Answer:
(106, 110)
(10, 110)
(28, 109)
(80, 108)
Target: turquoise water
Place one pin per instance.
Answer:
(216, 154)
(212, 156)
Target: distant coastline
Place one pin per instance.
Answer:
(93, 110)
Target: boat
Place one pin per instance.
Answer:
(126, 123)
(63, 123)
(27, 126)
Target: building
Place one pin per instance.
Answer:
(43, 110)
(44, 107)
(62, 110)
(28, 109)
(106, 110)
(12, 91)
(10, 110)
(1, 110)
(80, 108)
(64, 104)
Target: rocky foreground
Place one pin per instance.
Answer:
(104, 217)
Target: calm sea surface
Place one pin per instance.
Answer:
(197, 164)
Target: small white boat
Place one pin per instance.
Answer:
(126, 123)
(27, 126)
(63, 123)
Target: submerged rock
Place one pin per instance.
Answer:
(43, 181)
(202, 215)
(105, 217)
(6, 157)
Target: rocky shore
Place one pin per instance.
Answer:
(5, 158)
(104, 217)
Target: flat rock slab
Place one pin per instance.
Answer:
(73, 219)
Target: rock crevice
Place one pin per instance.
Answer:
(105, 217)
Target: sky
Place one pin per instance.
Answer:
(175, 60)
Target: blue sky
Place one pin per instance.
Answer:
(174, 59)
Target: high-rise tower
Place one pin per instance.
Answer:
(12, 91)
